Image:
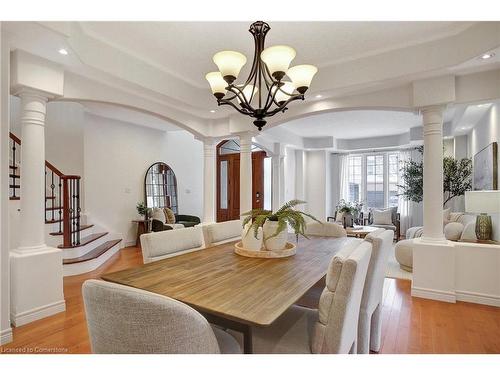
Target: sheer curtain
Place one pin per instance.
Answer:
(344, 177)
(404, 205)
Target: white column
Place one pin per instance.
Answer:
(32, 231)
(36, 270)
(278, 177)
(433, 174)
(245, 172)
(209, 169)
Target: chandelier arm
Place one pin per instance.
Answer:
(227, 102)
(283, 106)
(242, 98)
(271, 96)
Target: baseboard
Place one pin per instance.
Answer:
(438, 295)
(37, 313)
(6, 336)
(481, 298)
(129, 243)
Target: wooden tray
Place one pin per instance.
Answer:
(289, 250)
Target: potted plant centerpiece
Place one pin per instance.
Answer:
(349, 211)
(274, 224)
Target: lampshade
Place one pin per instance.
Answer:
(247, 93)
(485, 201)
(278, 59)
(229, 64)
(301, 76)
(281, 96)
(217, 84)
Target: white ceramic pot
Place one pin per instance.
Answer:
(277, 242)
(249, 241)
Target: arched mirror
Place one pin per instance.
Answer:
(160, 186)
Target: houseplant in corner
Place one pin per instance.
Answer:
(274, 224)
(142, 210)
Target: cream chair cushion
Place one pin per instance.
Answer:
(127, 320)
(325, 229)
(219, 233)
(169, 243)
(404, 254)
(453, 231)
(382, 217)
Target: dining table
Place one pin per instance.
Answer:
(234, 291)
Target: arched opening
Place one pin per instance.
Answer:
(228, 180)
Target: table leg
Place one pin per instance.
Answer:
(245, 329)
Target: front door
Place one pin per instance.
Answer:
(228, 182)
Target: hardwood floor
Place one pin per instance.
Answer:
(410, 325)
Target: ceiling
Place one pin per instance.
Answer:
(185, 49)
(357, 124)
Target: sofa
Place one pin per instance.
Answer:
(160, 221)
(456, 226)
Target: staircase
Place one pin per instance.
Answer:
(85, 246)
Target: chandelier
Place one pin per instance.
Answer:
(265, 92)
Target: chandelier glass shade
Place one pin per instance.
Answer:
(264, 92)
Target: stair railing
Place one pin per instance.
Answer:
(63, 191)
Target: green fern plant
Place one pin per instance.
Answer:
(286, 215)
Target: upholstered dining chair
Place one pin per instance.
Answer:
(325, 229)
(220, 233)
(370, 317)
(333, 327)
(122, 319)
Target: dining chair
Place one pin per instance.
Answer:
(325, 229)
(166, 244)
(332, 328)
(220, 233)
(370, 317)
(121, 319)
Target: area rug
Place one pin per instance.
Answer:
(393, 271)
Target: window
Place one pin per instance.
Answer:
(355, 178)
(373, 179)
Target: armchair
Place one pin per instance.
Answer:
(394, 225)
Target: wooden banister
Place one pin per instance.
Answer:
(14, 138)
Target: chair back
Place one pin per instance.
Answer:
(121, 319)
(169, 243)
(325, 229)
(337, 326)
(381, 241)
(219, 233)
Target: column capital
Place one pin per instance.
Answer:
(432, 109)
(28, 92)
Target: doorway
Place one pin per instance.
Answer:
(228, 179)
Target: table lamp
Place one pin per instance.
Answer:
(483, 202)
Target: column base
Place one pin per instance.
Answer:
(6, 336)
(36, 284)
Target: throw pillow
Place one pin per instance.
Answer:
(382, 217)
(453, 231)
(169, 215)
(158, 214)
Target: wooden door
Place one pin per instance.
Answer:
(228, 184)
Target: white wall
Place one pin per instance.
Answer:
(486, 131)
(315, 183)
(116, 157)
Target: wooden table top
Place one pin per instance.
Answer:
(361, 229)
(247, 290)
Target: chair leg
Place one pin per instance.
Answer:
(364, 333)
(376, 329)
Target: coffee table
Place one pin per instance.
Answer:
(359, 231)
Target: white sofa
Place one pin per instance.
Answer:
(169, 243)
(219, 233)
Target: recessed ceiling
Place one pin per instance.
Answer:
(185, 49)
(357, 124)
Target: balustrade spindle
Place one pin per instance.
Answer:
(60, 205)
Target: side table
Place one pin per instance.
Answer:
(142, 227)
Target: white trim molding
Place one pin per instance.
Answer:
(438, 295)
(481, 298)
(37, 313)
(6, 336)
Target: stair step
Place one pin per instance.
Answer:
(12, 175)
(14, 186)
(12, 167)
(85, 240)
(82, 227)
(50, 197)
(94, 253)
(53, 208)
(14, 198)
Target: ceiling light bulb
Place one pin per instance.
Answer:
(63, 51)
(319, 96)
(212, 111)
(301, 76)
(217, 84)
(278, 59)
(487, 56)
(229, 64)
(284, 93)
